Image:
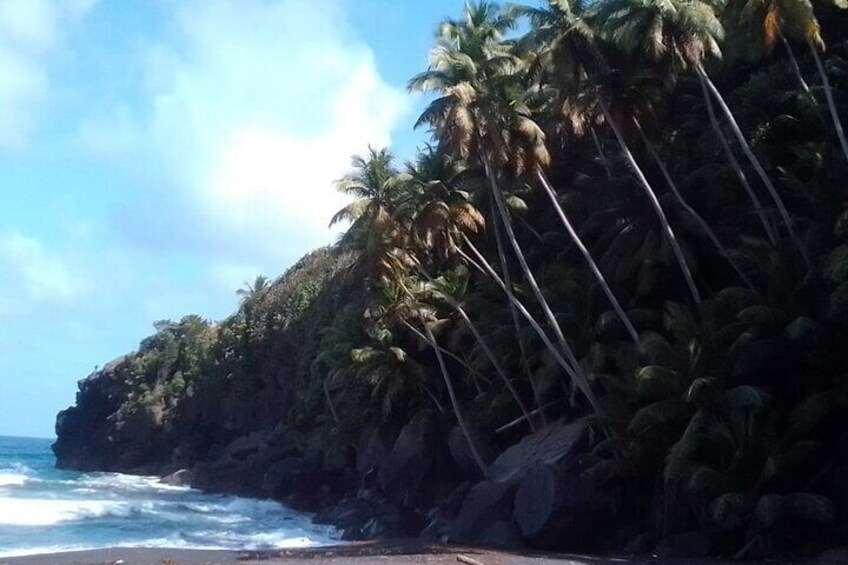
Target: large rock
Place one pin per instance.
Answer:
(105, 432)
(488, 503)
(502, 535)
(410, 461)
(555, 507)
(181, 478)
(461, 453)
(372, 450)
(685, 545)
(549, 446)
(281, 478)
(231, 476)
(243, 447)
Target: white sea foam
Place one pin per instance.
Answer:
(12, 479)
(46, 550)
(39, 512)
(44, 510)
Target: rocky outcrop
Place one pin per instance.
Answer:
(103, 433)
(220, 407)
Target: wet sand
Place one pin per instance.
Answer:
(401, 552)
(358, 554)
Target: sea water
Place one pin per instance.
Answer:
(46, 510)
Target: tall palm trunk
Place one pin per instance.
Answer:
(483, 266)
(737, 168)
(596, 271)
(600, 149)
(460, 418)
(471, 370)
(737, 131)
(794, 62)
(828, 93)
(513, 311)
(579, 379)
(490, 355)
(686, 206)
(649, 191)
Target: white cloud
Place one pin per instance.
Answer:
(254, 108)
(31, 32)
(32, 274)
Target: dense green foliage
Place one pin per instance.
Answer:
(592, 235)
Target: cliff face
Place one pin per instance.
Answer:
(258, 406)
(194, 387)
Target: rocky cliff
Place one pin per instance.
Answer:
(248, 406)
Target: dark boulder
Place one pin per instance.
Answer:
(410, 461)
(243, 447)
(556, 444)
(555, 507)
(283, 477)
(487, 503)
(181, 478)
(367, 519)
(502, 535)
(374, 445)
(229, 476)
(461, 454)
(685, 545)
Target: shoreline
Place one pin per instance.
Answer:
(401, 551)
(390, 552)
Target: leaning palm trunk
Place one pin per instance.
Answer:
(794, 62)
(471, 370)
(483, 266)
(463, 425)
(596, 271)
(600, 149)
(579, 379)
(737, 131)
(686, 206)
(737, 168)
(490, 355)
(513, 311)
(652, 197)
(828, 93)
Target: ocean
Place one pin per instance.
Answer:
(46, 510)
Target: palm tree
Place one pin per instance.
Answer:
(708, 231)
(796, 19)
(465, 66)
(379, 190)
(255, 290)
(407, 306)
(679, 35)
(441, 289)
(568, 48)
(445, 214)
(737, 168)
(533, 156)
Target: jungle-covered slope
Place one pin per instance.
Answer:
(607, 308)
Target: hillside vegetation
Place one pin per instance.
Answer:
(624, 253)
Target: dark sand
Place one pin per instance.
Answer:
(382, 553)
(357, 554)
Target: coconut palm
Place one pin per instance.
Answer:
(569, 51)
(531, 155)
(379, 190)
(445, 215)
(408, 305)
(677, 35)
(255, 290)
(466, 67)
(796, 20)
(702, 223)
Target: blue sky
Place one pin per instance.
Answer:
(155, 154)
